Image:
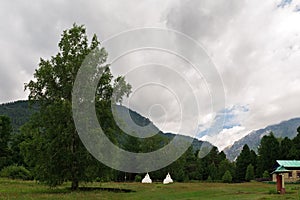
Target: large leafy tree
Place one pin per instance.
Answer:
(53, 147)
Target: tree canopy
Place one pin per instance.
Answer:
(59, 154)
(268, 153)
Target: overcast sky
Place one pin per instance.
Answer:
(254, 45)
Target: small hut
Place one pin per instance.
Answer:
(279, 172)
(293, 167)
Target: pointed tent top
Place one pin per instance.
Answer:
(280, 169)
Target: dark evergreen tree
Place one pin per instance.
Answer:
(227, 177)
(285, 146)
(191, 165)
(295, 154)
(249, 173)
(254, 161)
(5, 136)
(242, 162)
(268, 153)
(226, 165)
(213, 171)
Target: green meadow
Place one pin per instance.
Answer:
(16, 189)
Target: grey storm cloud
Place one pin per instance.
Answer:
(255, 46)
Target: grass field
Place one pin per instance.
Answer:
(14, 189)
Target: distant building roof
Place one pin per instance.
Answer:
(280, 169)
(289, 163)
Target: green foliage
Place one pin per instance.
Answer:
(209, 164)
(19, 112)
(98, 179)
(213, 171)
(266, 174)
(249, 173)
(120, 88)
(268, 153)
(209, 179)
(5, 136)
(16, 172)
(242, 163)
(227, 178)
(137, 178)
(16, 155)
(253, 160)
(53, 148)
(296, 144)
(224, 166)
(285, 149)
(28, 142)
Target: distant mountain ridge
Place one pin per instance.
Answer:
(283, 129)
(20, 112)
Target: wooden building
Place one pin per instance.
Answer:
(292, 173)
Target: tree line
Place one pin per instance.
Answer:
(25, 154)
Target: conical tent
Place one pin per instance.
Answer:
(168, 179)
(147, 179)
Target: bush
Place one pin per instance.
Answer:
(227, 178)
(266, 174)
(137, 178)
(16, 172)
(209, 179)
(98, 179)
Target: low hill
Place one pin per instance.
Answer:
(20, 112)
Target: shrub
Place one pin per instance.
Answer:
(137, 178)
(98, 179)
(209, 179)
(266, 174)
(227, 178)
(16, 172)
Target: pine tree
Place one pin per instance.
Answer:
(249, 173)
(227, 178)
(268, 153)
(242, 162)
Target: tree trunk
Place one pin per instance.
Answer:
(75, 184)
(74, 168)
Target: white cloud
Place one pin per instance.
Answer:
(226, 136)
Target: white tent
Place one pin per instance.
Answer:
(147, 179)
(168, 179)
